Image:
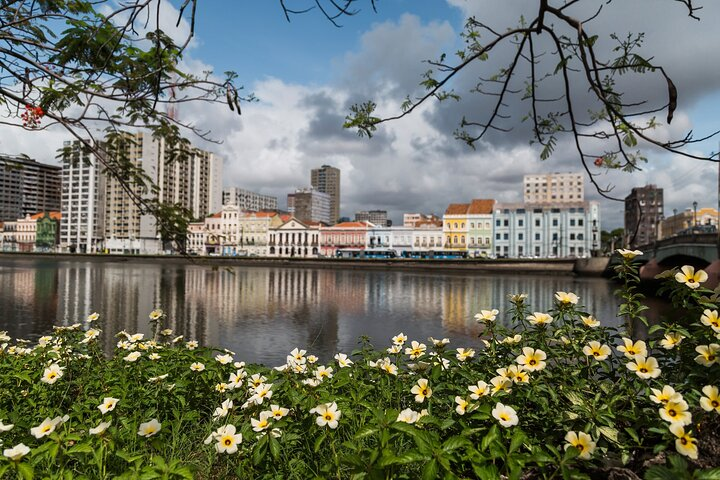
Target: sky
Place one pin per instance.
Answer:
(307, 72)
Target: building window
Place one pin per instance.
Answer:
(497, 236)
(521, 236)
(505, 236)
(572, 222)
(572, 236)
(521, 222)
(537, 236)
(497, 222)
(555, 222)
(580, 222)
(537, 222)
(505, 222)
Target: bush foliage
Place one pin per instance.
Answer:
(558, 395)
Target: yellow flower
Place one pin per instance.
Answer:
(323, 372)
(500, 384)
(671, 340)
(676, 411)
(566, 298)
(590, 321)
(148, 429)
(108, 405)
(506, 415)
(632, 350)
(711, 400)
(684, 444)
(462, 405)
(416, 350)
(596, 350)
(487, 315)
(667, 394)
(422, 390)
(464, 353)
(582, 441)
(328, 414)
(644, 367)
(539, 318)
(221, 387)
(227, 439)
(532, 359)
(690, 277)
(708, 354)
(52, 373)
(479, 390)
(710, 318)
(629, 254)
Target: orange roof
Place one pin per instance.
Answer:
(286, 218)
(265, 214)
(483, 206)
(350, 225)
(52, 215)
(457, 209)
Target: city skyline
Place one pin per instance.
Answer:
(306, 87)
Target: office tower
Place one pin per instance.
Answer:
(83, 199)
(247, 200)
(376, 217)
(643, 213)
(310, 205)
(553, 188)
(326, 179)
(27, 187)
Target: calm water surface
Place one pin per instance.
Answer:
(261, 313)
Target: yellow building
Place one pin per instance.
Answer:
(681, 223)
(455, 226)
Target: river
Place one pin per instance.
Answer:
(261, 313)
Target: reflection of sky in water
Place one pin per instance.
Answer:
(262, 313)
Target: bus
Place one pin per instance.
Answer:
(435, 254)
(370, 254)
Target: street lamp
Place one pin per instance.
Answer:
(694, 215)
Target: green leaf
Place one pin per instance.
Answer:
(655, 328)
(492, 434)
(80, 448)
(633, 434)
(712, 474)
(430, 471)
(658, 472)
(453, 443)
(366, 431)
(517, 440)
(609, 432)
(486, 472)
(274, 448)
(26, 470)
(678, 463)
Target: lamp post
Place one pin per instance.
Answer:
(694, 215)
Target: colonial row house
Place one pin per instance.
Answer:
(34, 233)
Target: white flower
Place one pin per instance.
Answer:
(5, 428)
(148, 429)
(47, 427)
(408, 416)
(228, 440)
(487, 315)
(258, 425)
(343, 360)
(131, 357)
(629, 254)
(224, 359)
(328, 414)
(566, 297)
(191, 345)
(399, 339)
(100, 428)
(108, 405)
(52, 373)
(197, 367)
(17, 452)
(223, 409)
(507, 416)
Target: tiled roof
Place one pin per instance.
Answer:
(481, 206)
(350, 225)
(457, 209)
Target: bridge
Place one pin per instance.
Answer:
(700, 250)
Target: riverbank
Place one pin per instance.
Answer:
(580, 267)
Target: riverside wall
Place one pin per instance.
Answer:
(581, 267)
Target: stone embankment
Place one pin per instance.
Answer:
(581, 266)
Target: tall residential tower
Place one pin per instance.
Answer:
(326, 179)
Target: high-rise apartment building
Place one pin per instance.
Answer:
(83, 199)
(247, 200)
(326, 179)
(643, 213)
(310, 205)
(27, 187)
(553, 188)
(376, 217)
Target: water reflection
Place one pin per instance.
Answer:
(262, 313)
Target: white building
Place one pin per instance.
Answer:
(553, 188)
(310, 205)
(295, 239)
(83, 200)
(247, 200)
(427, 236)
(532, 230)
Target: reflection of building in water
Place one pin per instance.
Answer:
(455, 300)
(29, 299)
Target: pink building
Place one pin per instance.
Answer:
(343, 236)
